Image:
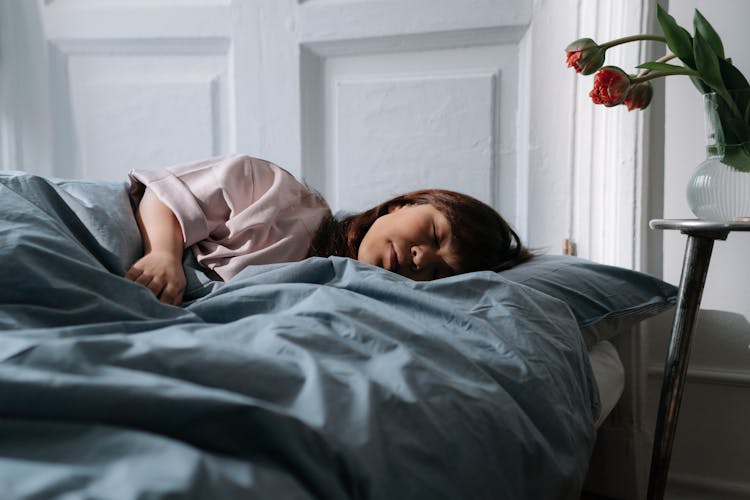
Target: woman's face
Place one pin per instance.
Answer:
(412, 240)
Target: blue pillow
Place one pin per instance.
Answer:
(606, 300)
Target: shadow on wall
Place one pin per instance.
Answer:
(722, 337)
(712, 418)
(721, 340)
(711, 447)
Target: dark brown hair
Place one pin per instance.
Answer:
(482, 238)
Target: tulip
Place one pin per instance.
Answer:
(611, 85)
(639, 96)
(585, 56)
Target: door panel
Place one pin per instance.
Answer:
(409, 120)
(365, 99)
(119, 106)
(399, 96)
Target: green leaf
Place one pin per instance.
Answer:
(742, 99)
(738, 158)
(664, 67)
(707, 64)
(679, 40)
(704, 28)
(702, 87)
(733, 78)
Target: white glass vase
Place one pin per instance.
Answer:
(720, 187)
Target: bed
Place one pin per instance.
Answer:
(325, 378)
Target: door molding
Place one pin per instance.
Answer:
(612, 158)
(611, 150)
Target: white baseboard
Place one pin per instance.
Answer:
(708, 375)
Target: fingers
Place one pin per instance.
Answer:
(171, 294)
(133, 273)
(155, 285)
(166, 289)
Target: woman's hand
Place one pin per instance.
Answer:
(160, 268)
(161, 273)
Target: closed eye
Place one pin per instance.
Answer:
(435, 236)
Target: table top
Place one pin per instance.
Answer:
(698, 225)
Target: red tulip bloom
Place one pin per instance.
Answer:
(639, 96)
(585, 56)
(611, 85)
(573, 58)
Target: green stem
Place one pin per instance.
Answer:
(659, 74)
(662, 59)
(688, 72)
(665, 58)
(633, 38)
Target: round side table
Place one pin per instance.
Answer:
(701, 235)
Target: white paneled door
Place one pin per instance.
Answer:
(363, 98)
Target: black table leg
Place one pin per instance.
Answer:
(694, 270)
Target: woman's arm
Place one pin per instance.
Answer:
(160, 268)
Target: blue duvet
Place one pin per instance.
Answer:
(326, 378)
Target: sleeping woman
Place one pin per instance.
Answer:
(236, 211)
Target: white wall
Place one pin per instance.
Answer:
(24, 99)
(85, 80)
(550, 140)
(711, 456)
(364, 99)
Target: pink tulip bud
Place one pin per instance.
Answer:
(611, 86)
(585, 56)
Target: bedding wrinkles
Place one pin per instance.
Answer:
(325, 378)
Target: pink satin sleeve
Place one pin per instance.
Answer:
(237, 210)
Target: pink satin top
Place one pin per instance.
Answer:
(236, 211)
